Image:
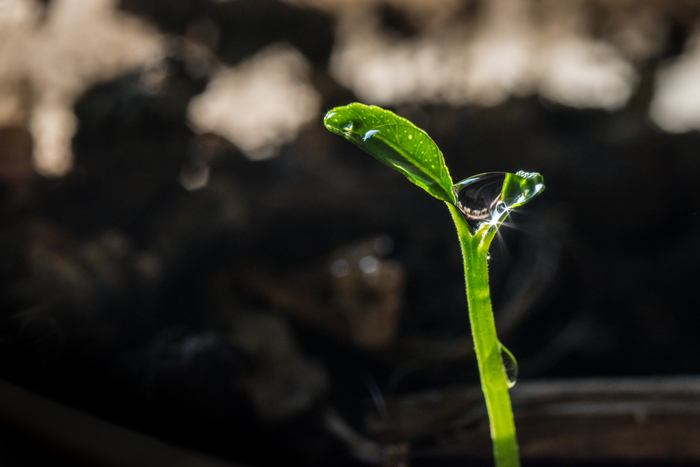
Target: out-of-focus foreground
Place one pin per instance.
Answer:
(194, 271)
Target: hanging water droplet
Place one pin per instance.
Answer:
(510, 366)
(488, 197)
(478, 196)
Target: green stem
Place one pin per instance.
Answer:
(488, 351)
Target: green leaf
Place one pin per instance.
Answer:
(395, 142)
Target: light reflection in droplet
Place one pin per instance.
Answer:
(478, 196)
(369, 134)
(489, 197)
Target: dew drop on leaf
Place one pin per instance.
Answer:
(369, 134)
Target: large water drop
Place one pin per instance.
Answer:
(478, 196)
(510, 366)
(488, 197)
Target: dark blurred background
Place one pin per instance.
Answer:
(188, 256)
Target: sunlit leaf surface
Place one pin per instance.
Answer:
(395, 142)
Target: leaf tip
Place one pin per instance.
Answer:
(338, 121)
(328, 120)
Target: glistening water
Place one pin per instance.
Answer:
(510, 365)
(488, 197)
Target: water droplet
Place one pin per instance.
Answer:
(488, 197)
(410, 136)
(478, 196)
(510, 366)
(369, 134)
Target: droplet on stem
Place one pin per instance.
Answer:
(478, 196)
(488, 197)
(510, 366)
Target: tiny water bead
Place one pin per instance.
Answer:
(488, 197)
(510, 366)
(369, 134)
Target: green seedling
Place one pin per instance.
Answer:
(478, 205)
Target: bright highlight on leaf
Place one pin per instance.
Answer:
(396, 142)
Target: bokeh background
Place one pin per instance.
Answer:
(194, 271)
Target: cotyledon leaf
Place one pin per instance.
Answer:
(396, 142)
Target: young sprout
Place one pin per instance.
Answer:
(478, 205)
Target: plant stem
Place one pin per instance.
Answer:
(488, 350)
